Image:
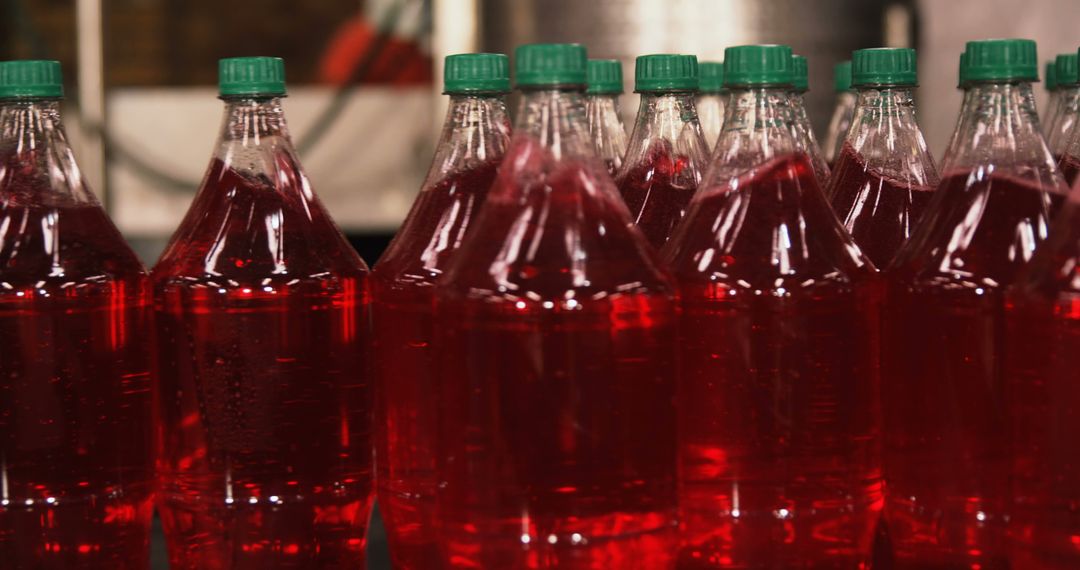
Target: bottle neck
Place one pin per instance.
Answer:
(555, 118)
(887, 137)
(34, 151)
(665, 115)
(606, 129)
(886, 97)
(953, 148)
(601, 108)
(839, 124)
(1001, 128)
(250, 120)
(757, 125)
(798, 106)
(254, 136)
(667, 124)
(1069, 95)
(476, 131)
(1063, 117)
(889, 109)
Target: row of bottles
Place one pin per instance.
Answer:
(260, 400)
(580, 350)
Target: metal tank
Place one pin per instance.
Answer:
(825, 31)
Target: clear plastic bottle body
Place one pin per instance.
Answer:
(955, 141)
(556, 330)
(664, 163)
(1069, 157)
(1053, 105)
(803, 134)
(1043, 340)
(606, 129)
(884, 178)
(839, 124)
(1064, 118)
(262, 312)
(473, 143)
(710, 108)
(779, 314)
(75, 413)
(944, 327)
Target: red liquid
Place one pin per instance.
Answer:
(1043, 340)
(655, 191)
(557, 338)
(1070, 168)
(261, 314)
(880, 213)
(945, 445)
(778, 397)
(75, 464)
(405, 424)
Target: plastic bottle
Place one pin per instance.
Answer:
(1069, 159)
(711, 99)
(945, 440)
(778, 418)
(76, 470)
(803, 131)
(473, 142)
(605, 85)
(667, 152)
(885, 175)
(955, 142)
(842, 113)
(1041, 393)
(1054, 95)
(557, 334)
(1068, 105)
(262, 313)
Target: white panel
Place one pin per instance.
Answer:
(366, 170)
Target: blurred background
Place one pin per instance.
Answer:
(364, 104)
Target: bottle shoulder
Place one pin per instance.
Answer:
(550, 229)
(1053, 276)
(980, 229)
(71, 247)
(765, 231)
(436, 226)
(248, 230)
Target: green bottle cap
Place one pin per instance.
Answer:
(1002, 60)
(710, 76)
(962, 77)
(758, 65)
(539, 65)
(665, 72)
(31, 78)
(1051, 75)
(842, 77)
(883, 67)
(1065, 70)
(604, 76)
(466, 73)
(802, 73)
(251, 76)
